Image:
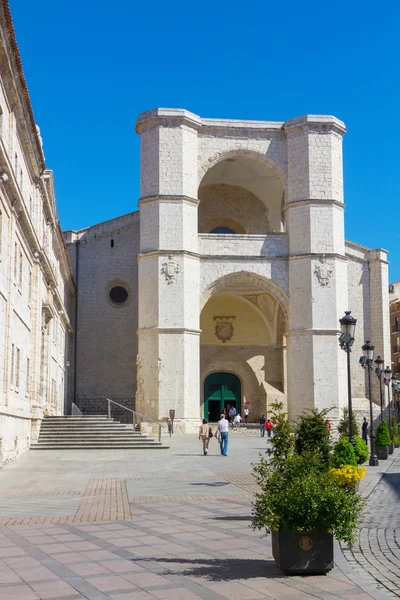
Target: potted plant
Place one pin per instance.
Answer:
(360, 450)
(394, 433)
(382, 441)
(301, 503)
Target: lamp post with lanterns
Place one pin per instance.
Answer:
(379, 373)
(346, 341)
(366, 362)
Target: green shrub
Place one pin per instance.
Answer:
(281, 443)
(302, 497)
(312, 436)
(393, 430)
(343, 454)
(382, 434)
(343, 427)
(396, 438)
(398, 428)
(361, 450)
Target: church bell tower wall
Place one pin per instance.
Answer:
(317, 264)
(168, 355)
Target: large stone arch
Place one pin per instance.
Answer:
(259, 157)
(227, 360)
(254, 279)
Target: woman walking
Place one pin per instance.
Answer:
(205, 434)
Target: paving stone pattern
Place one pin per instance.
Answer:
(189, 539)
(377, 550)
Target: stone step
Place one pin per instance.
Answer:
(64, 438)
(128, 446)
(91, 433)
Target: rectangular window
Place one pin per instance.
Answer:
(27, 376)
(15, 261)
(20, 269)
(30, 205)
(12, 364)
(16, 164)
(21, 178)
(17, 366)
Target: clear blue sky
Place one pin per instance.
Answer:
(93, 66)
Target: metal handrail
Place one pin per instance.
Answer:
(134, 412)
(75, 410)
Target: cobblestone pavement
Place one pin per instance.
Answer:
(377, 551)
(134, 525)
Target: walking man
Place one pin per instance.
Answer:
(262, 426)
(223, 428)
(232, 414)
(268, 427)
(365, 430)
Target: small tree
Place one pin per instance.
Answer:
(281, 443)
(382, 434)
(312, 435)
(361, 450)
(343, 427)
(343, 454)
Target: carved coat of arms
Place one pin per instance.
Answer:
(170, 269)
(224, 328)
(323, 272)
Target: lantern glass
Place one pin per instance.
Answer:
(368, 350)
(348, 324)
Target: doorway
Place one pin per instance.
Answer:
(221, 390)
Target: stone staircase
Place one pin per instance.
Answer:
(91, 433)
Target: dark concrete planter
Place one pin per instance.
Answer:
(303, 552)
(391, 448)
(382, 452)
(397, 445)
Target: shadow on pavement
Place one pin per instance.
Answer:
(213, 484)
(393, 479)
(220, 569)
(234, 518)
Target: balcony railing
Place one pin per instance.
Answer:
(395, 327)
(395, 349)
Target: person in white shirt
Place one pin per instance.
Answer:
(237, 420)
(223, 428)
(246, 415)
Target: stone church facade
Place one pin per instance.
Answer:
(36, 281)
(227, 285)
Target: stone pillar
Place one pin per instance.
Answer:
(169, 334)
(379, 313)
(317, 265)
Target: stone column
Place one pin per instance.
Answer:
(379, 313)
(317, 266)
(169, 335)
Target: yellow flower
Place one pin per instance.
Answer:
(348, 476)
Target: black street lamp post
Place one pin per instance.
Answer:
(346, 341)
(366, 362)
(387, 378)
(379, 373)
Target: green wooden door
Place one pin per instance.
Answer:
(221, 390)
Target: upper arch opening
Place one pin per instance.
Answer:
(245, 190)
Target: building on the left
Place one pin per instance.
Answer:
(36, 281)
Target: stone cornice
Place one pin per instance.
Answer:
(318, 255)
(151, 253)
(310, 332)
(173, 330)
(318, 201)
(167, 116)
(169, 199)
(317, 123)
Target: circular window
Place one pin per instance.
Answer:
(118, 294)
